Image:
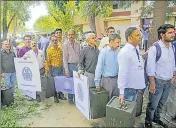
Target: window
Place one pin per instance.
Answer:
(121, 4)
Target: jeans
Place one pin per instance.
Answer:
(157, 100)
(71, 68)
(10, 80)
(56, 71)
(130, 94)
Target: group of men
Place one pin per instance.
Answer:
(119, 71)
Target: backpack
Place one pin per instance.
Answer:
(158, 55)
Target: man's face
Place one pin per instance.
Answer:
(169, 35)
(92, 40)
(58, 34)
(34, 45)
(111, 31)
(71, 36)
(135, 37)
(116, 43)
(27, 41)
(6, 46)
(54, 41)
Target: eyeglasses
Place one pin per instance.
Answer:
(54, 40)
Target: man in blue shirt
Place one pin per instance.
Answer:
(107, 66)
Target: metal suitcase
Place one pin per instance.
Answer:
(7, 96)
(120, 116)
(98, 101)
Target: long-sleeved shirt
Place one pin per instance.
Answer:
(145, 35)
(22, 51)
(7, 62)
(165, 66)
(39, 56)
(107, 65)
(131, 68)
(71, 53)
(54, 58)
(88, 59)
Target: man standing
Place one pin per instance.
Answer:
(107, 66)
(88, 59)
(58, 34)
(161, 74)
(105, 41)
(35, 53)
(54, 63)
(25, 48)
(71, 51)
(8, 66)
(131, 67)
(44, 42)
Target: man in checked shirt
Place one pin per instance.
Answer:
(54, 63)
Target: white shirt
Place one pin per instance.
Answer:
(165, 66)
(40, 57)
(131, 71)
(104, 41)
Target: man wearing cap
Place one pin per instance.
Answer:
(88, 59)
(107, 66)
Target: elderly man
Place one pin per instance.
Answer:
(107, 66)
(8, 66)
(25, 48)
(88, 59)
(71, 51)
(54, 63)
(105, 41)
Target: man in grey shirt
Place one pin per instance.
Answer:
(88, 59)
(8, 66)
(71, 51)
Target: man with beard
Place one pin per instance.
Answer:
(161, 75)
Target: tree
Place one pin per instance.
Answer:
(57, 17)
(91, 9)
(15, 11)
(161, 11)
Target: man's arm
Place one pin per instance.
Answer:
(81, 61)
(65, 57)
(151, 68)
(20, 52)
(48, 62)
(99, 68)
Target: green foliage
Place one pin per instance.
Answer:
(57, 18)
(99, 8)
(12, 115)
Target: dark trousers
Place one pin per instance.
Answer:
(157, 100)
(145, 45)
(71, 68)
(56, 71)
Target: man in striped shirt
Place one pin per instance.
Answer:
(54, 63)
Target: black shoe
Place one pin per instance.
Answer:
(148, 125)
(38, 98)
(56, 99)
(161, 123)
(61, 96)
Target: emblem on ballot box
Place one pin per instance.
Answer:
(80, 92)
(27, 74)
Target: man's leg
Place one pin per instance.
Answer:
(13, 81)
(108, 86)
(130, 94)
(71, 68)
(90, 76)
(161, 103)
(153, 103)
(7, 82)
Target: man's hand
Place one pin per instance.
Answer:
(98, 88)
(46, 74)
(173, 80)
(121, 98)
(25, 57)
(67, 74)
(152, 88)
(3, 75)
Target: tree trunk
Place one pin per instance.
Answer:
(159, 17)
(5, 29)
(92, 23)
